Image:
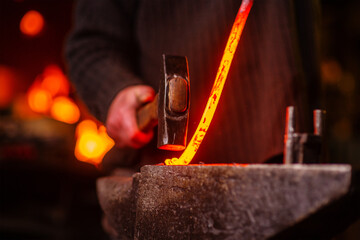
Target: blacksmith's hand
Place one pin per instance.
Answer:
(121, 122)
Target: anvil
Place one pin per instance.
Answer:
(258, 201)
(234, 201)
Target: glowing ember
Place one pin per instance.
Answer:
(85, 126)
(49, 95)
(65, 110)
(92, 143)
(32, 23)
(215, 94)
(39, 100)
(55, 81)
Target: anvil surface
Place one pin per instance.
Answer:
(218, 201)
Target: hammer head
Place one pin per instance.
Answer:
(173, 104)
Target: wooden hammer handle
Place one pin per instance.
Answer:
(147, 115)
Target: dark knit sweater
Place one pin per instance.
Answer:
(118, 43)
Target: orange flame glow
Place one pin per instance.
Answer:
(65, 110)
(90, 146)
(55, 81)
(85, 126)
(215, 94)
(92, 143)
(32, 23)
(49, 95)
(39, 99)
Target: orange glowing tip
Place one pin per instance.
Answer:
(215, 94)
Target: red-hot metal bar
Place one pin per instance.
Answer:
(215, 94)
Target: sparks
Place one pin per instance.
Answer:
(215, 94)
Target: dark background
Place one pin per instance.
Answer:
(45, 193)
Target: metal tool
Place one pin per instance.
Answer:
(170, 108)
(303, 147)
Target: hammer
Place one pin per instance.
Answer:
(170, 107)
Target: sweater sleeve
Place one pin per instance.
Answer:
(101, 52)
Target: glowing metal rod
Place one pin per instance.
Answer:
(220, 79)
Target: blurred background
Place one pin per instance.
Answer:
(50, 146)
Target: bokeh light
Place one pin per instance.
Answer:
(55, 81)
(65, 110)
(85, 126)
(39, 99)
(92, 143)
(32, 23)
(331, 71)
